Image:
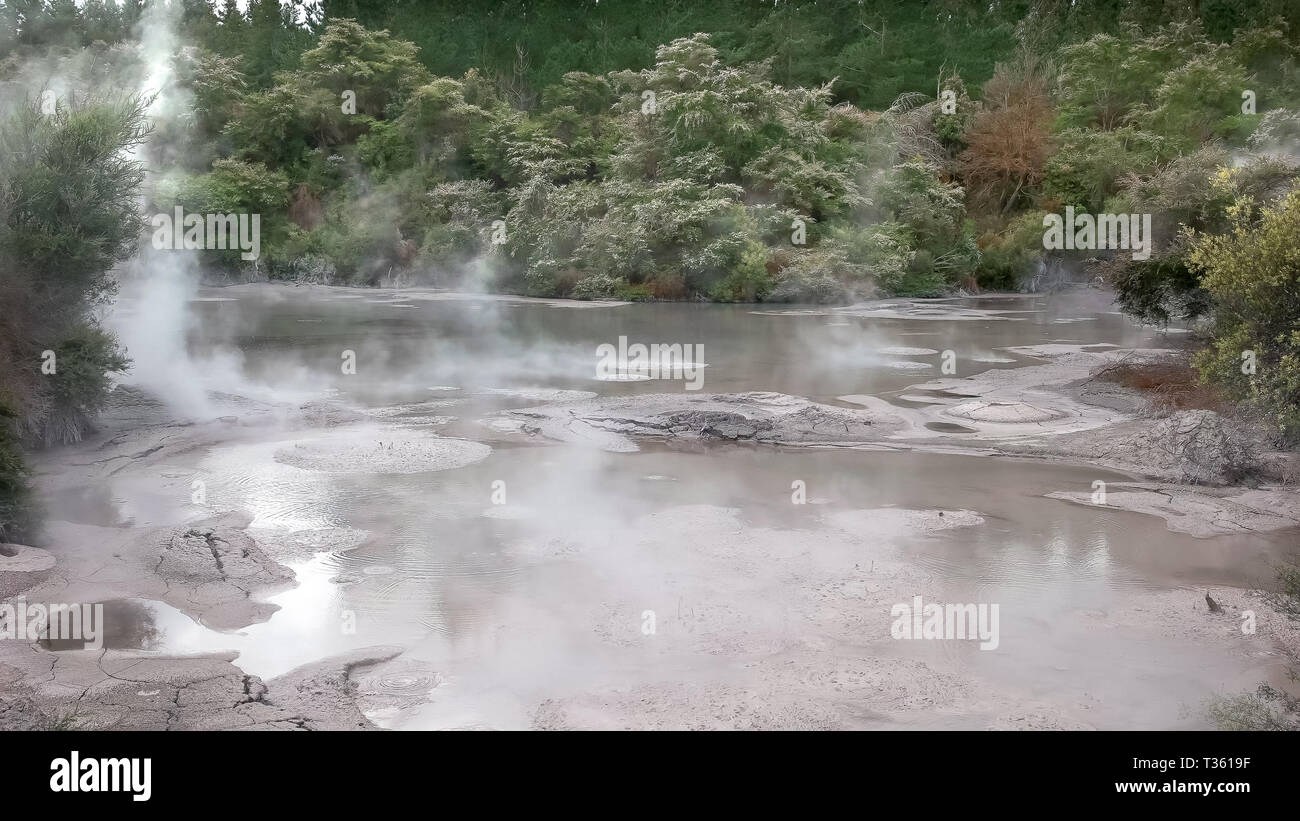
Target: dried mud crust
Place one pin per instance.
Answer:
(774, 418)
(110, 690)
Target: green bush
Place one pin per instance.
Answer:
(813, 276)
(1006, 257)
(1253, 276)
(68, 214)
(78, 388)
(597, 286)
(1194, 192)
(1089, 164)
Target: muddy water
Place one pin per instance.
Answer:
(406, 343)
(543, 600)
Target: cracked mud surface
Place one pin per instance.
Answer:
(108, 690)
(209, 570)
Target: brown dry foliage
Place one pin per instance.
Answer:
(1009, 143)
(1171, 384)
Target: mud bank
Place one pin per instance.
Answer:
(996, 406)
(1201, 511)
(772, 418)
(1055, 411)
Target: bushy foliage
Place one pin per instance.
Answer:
(1006, 256)
(15, 510)
(1253, 275)
(68, 194)
(1193, 192)
(68, 214)
(712, 167)
(1088, 165)
(1199, 100)
(812, 276)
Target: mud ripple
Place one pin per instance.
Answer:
(383, 452)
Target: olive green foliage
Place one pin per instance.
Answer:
(15, 510)
(708, 166)
(1175, 82)
(1089, 164)
(1007, 256)
(514, 147)
(1252, 274)
(689, 178)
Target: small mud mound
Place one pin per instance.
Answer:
(907, 365)
(202, 555)
(381, 452)
(212, 571)
(760, 416)
(1193, 447)
(539, 394)
(1013, 412)
(905, 351)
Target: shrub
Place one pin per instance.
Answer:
(1088, 164)
(1006, 257)
(68, 214)
(1253, 276)
(597, 286)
